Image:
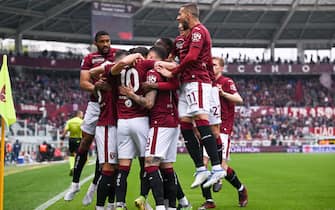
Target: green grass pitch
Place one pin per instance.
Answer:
(274, 181)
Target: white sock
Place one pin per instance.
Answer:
(160, 207)
(202, 168)
(241, 188)
(183, 201)
(92, 187)
(99, 207)
(75, 185)
(217, 167)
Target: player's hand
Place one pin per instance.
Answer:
(102, 84)
(164, 72)
(127, 91)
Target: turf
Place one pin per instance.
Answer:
(274, 181)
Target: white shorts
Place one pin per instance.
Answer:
(225, 147)
(162, 142)
(215, 107)
(105, 138)
(132, 135)
(194, 99)
(91, 118)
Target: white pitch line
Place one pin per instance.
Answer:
(60, 195)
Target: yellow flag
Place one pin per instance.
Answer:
(7, 110)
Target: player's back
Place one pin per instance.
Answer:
(134, 76)
(164, 112)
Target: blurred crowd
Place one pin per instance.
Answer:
(285, 91)
(32, 86)
(241, 59)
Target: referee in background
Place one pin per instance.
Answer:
(73, 126)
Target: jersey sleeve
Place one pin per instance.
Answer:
(198, 37)
(154, 77)
(86, 63)
(230, 86)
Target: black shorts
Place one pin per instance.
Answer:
(74, 144)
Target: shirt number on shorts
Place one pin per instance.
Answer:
(191, 99)
(126, 76)
(215, 110)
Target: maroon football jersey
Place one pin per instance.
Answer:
(136, 75)
(164, 113)
(178, 49)
(96, 59)
(227, 107)
(199, 37)
(108, 113)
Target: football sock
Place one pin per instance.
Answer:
(104, 187)
(233, 179)
(97, 172)
(79, 163)
(207, 139)
(170, 186)
(145, 187)
(180, 192)
(206, 192)
(192, 144)
(156, 184)
(121, 184)
(111, 195)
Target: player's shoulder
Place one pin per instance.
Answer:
(153, 76)
(199, 28)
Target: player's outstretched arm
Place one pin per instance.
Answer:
(127, 60)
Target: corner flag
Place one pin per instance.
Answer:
(7, 110)
(7, 114)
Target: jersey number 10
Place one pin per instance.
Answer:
(126, 78)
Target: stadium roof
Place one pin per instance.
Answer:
(232, 23)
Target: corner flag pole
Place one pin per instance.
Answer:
(2, 163)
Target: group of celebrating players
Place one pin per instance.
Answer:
(141, 99)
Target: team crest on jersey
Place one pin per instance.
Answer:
(151, 79)
(179, 44)
(112, 155)
(196, 37)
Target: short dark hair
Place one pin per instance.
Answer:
(143, 50)
(120, 53)
(160, 51)
(165, 42)
(100, 33)
(192, 8)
